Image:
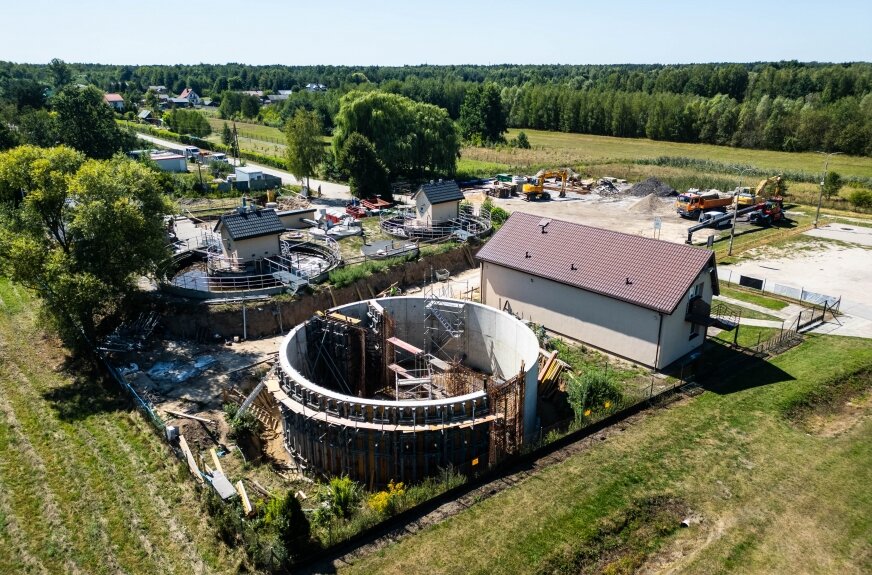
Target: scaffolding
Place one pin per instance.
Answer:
(445, 323)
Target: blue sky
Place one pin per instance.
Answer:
(447, 32)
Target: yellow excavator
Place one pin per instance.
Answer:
(535, 188)
(747, 198)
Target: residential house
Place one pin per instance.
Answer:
(157, 89)
(191, 96)
(316, 87)
(437, 202)
(642, 299)
(114, 100)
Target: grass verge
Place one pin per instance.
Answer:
(86, 486)
(770, 498)
(755, 298)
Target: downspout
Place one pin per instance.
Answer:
(659, 332)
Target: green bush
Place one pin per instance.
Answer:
(241, 424)
(343, 496)
(592, 391)
(861, 198)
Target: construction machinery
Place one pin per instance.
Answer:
(535, 189)
(752, 198)
(769, 212)
(692, 204)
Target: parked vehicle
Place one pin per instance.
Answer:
(692, 203)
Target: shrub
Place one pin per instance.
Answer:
(343, 494)
(861, 198)
(285, 515)
(384, 502)
(594, 390)
(241, 424)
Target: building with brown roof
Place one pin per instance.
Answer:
(114, 100)
(639, 298)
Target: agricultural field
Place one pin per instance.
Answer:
(596, 156)
(86, 486)
(770, 467)
(595, 149)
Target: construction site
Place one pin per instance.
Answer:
(402, 388)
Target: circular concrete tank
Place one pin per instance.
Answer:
(402, 388)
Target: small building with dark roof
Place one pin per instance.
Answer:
(642, 299)
(437, 202)
(249, 235)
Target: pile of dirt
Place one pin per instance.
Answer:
(652, 186)
(650, 204)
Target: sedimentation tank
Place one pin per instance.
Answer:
(402, 388)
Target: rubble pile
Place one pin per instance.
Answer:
(652, 186)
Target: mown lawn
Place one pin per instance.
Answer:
(85, 485)
(764, 495)
(753, 297)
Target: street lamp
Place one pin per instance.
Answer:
(823, 179)
(742, 172)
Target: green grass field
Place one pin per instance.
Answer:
(86, 486)
(765, 495)
(753, 297)
(588, 148)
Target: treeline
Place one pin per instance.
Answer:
(773, 105)
(778, 123)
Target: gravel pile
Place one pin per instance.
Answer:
(652, 186)
(650, 204)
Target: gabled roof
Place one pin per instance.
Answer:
(111, 97)
(254, 224)
(650, 273)
(441, 192)
(187, 93)
(144, 114)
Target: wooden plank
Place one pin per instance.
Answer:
(439, 364)
(192, 463)
(343, 318)
(186, 416)
(215, 460)
(401, 371)
(397, 342)
(243, 496)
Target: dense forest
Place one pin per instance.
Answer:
(790, 106)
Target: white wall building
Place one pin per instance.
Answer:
(639, 298)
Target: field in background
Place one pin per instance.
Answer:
(763, 494)
(86, 486)
(588, 149)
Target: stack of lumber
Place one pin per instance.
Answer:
(550, 369)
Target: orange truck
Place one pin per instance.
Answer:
(692, 204)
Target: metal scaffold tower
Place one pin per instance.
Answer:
(445, 321)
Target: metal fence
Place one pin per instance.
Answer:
(763, 285)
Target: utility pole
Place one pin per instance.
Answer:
(736, 208)
(823, 179)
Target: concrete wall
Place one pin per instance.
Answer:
(294, 219)
(251, 249)
(378, 440)
(188, 319)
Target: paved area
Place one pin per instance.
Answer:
(839, 268)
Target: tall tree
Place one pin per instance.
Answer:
(305, 149)
(368, 175)
(482, 117)
(226, 135)
(86, 123)
(83, 233)
(410, 137)
(60, 73)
